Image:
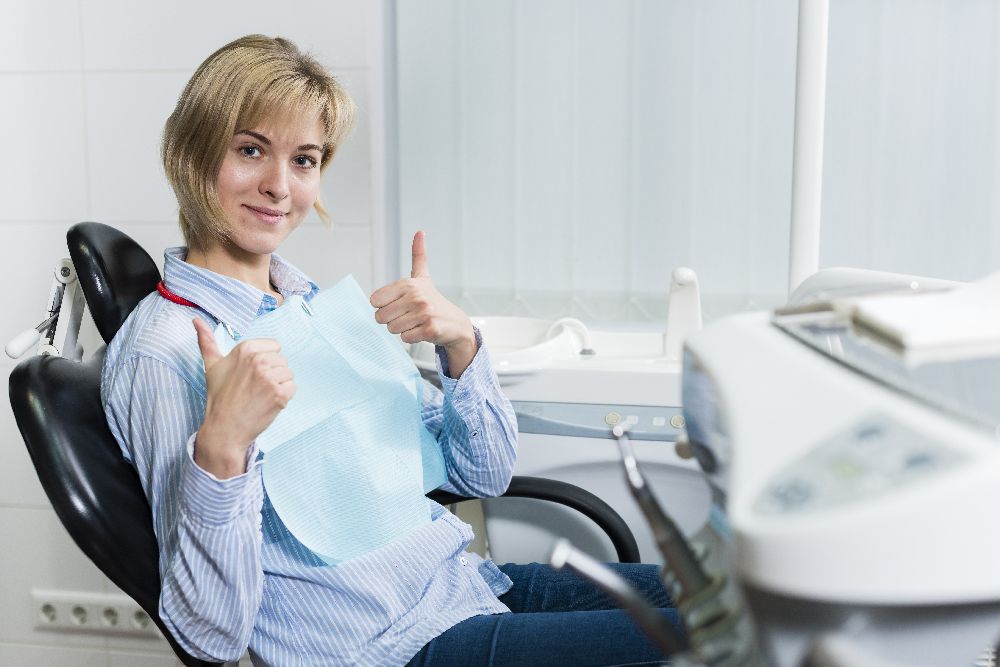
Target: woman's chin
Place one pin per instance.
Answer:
(263, 242)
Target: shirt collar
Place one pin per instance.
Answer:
(227, 299)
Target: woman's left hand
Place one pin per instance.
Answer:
(413, 308)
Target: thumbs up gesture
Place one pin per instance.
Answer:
(246, 390)
(413, 308)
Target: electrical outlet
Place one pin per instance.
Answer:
(79, 611)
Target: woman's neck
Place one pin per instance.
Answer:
(254, 270)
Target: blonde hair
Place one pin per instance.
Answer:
(246, 81)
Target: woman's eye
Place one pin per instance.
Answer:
(250, 151)
(305, 161)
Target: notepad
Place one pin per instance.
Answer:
(946, 325)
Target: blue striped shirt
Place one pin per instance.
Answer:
(232, 575)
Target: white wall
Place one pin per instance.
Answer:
(912, 163)
(565, 155)
(84, 90)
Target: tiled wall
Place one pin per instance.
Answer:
(84, 90)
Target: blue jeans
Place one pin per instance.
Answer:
(559, 619)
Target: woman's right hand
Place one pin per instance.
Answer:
(246, 390)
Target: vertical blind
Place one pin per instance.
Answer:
(565, 155)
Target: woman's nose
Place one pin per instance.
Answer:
(274, 183)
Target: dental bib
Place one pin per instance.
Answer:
(347, 462)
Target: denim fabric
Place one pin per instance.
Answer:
(558, 619)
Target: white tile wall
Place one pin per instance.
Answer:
(39, 36)
(130, 659)
(125, 113)
(18, 484)
(51, 656)
(124, 35)
(39, 554)
(154, 649)
(44, 177)
(85, 89)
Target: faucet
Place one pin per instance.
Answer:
(683, 312)
(579, 327)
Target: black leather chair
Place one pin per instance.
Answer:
(95, 492)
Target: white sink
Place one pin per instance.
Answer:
(517, 345)
(538, 361)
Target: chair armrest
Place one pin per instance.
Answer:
(569, 495)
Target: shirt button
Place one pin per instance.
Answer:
(463, 560)
(475, 433)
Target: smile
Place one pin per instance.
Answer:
(266, 214)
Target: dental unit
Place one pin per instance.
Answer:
(853, 493)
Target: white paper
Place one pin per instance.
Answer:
(963, 322)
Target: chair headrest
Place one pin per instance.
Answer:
(115, 273)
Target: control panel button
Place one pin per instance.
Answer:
(677, 421)
(847, 469)
(791, 494)
(919, 460)
(612, 419)
(659, 421)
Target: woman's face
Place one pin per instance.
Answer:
(269, 181)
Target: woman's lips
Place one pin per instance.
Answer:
(269, 215)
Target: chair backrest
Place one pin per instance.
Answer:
(57, 404)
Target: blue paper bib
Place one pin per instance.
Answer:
(347, 462)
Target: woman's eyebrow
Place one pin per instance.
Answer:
(256, 135)
(267, 142)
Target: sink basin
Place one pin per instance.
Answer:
(538, 361)
(518, 345)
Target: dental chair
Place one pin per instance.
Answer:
(95, 492)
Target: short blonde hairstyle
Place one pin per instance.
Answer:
(245, 82)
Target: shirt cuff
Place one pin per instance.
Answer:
(215, 501)
(479, 370)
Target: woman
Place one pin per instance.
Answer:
(243, 150)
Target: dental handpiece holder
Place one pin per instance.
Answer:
(719, 629)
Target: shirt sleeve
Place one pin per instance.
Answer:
(475, 426)
(208, 529)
